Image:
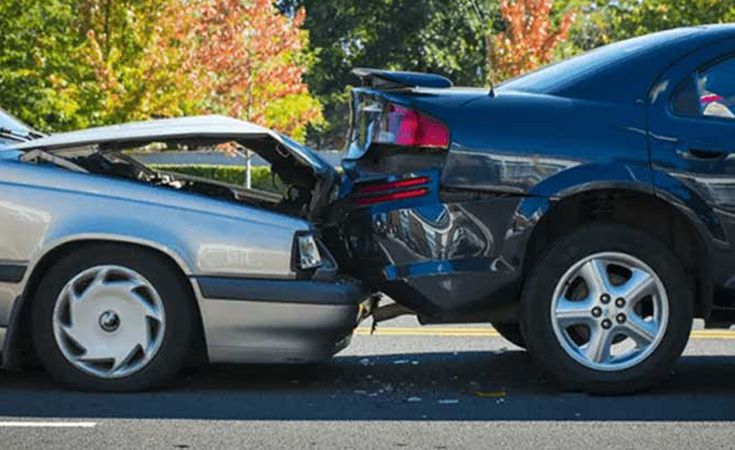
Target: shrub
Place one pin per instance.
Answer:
(260, 176)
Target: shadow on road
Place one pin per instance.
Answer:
(425, 386)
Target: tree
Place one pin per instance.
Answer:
(529, 39)
(253, 61)
(71, 64)
(141, 52)
(176, 57)
(40, 82)
(604, 21)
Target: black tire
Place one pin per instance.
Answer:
(511, 331)
(174, 294)
(537, 298)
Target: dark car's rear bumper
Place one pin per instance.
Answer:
(278, 321)
(436, 257)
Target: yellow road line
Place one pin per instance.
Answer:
(489, 332)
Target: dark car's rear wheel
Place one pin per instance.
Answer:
(111, 317)
(511, 331)
(607, 310)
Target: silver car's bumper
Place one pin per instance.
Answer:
(278, 321)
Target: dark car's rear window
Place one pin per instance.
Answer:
(546, 79)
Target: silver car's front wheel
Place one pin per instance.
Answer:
(109, 321)
(113, 317)
(607, 309)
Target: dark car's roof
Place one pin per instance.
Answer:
(621, 71)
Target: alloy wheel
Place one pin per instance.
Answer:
(609, 311)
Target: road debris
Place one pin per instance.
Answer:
(413, 399)
(492, 394)
(452, 401)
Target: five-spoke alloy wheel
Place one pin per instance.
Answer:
(609, 311)
(606, 309)
(112, 317)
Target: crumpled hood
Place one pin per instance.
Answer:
(286, 155)
(205, 127)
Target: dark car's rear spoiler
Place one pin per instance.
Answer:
(387, 80)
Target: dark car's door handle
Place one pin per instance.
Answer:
(701, 154)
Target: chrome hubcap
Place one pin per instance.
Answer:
(109, 321)
(609, 311)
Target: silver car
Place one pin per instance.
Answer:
(115, 275)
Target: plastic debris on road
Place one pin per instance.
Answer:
(492, 394)
(452, 401)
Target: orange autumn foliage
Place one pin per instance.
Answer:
(250, 55)
(165, 58)
(529, 39)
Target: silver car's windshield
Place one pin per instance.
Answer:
(13, 130)
(11, 123)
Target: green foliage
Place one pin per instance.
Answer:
(282, 112)
(140, 63)
(69, 64)
(260, 176)
(604, 22)
(40, 81)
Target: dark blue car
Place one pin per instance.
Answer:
(586, 209)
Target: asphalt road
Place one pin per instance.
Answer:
(406, 387)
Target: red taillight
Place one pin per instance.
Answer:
(410, 128)
(395, 186)
(401, 195)
(401, 184)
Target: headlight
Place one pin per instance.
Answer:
(308, 252)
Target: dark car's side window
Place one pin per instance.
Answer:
(709, 93)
